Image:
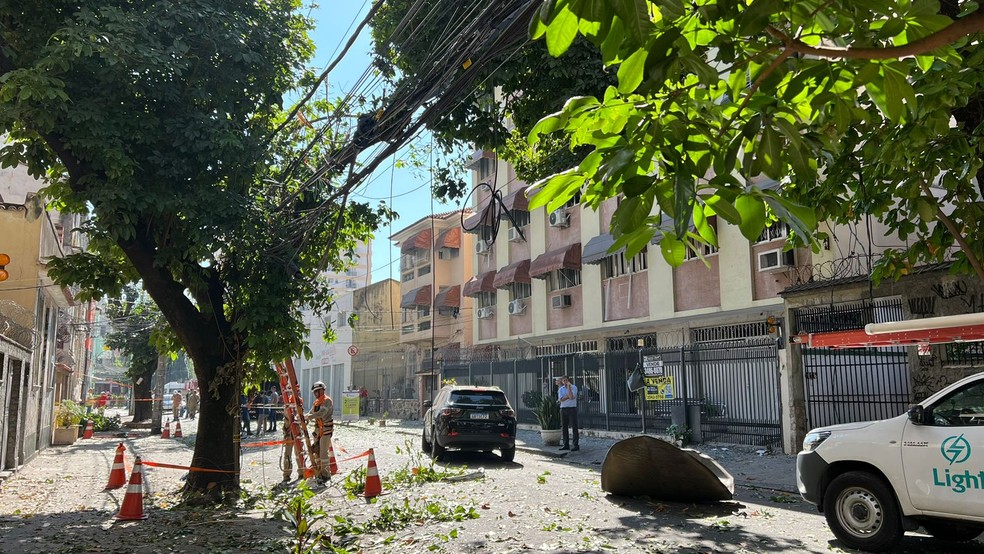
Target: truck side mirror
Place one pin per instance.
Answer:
(917, 414)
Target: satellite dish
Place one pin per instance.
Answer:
(35, 207)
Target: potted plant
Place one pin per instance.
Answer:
(68, 416)
(382, 420)
(548, 414)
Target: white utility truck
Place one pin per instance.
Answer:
(875, 480)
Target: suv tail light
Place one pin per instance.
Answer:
(507, 413)
(451, 411)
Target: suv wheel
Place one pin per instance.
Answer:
(436, 449)
(508, 454)
(424, 445)
(861, 511)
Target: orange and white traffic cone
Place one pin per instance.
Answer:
(87, 434)
(177, 429)
(166, 432)
(132, 507)
(332, 464)
(374, 487)
(117, 476)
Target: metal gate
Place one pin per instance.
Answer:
(855, 384)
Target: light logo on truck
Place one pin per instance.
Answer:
(956, 450)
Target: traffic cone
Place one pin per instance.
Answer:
(374, 487)
(132, 507)
(332, 464)
(117, 476)
(177, 429)
(87, 434)
(166, 432)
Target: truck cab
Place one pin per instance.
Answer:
(875, 480)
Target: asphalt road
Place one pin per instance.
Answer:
(541, 501)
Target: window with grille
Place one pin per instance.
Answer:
(564, 279)
(617, 265)
(520, 290)
(485, 168)
(485, 299)
(705, 249)
(775, 231)
(521, 218)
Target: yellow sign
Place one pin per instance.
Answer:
(659, 388)
(350, 404)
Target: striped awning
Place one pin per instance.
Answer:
(449, 297)
(475, 223)
(449, 238)
(597, 248)
(479, 283)
(420, 296)
(568, 257)
(518, 272)
(421, 241)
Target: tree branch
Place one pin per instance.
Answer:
(957, 235)
(973, 23)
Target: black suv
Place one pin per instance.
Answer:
(469, 418)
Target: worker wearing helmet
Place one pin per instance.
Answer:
(321, 414)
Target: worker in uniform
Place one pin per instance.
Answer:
(321, 414)
(290, 442)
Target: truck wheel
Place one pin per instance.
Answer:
(508, 454)
(952, 531)
(424, 445)
(862, 512)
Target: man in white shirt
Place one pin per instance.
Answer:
(567, 395)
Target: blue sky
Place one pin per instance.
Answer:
(336, 20)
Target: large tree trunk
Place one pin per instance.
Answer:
(217, 428)
(143, 407)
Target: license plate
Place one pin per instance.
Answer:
(479, 415)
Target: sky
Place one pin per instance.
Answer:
(336, 20)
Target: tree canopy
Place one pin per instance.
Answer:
(853, 107)
(163, 117)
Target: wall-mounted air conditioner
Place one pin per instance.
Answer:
(517, 306)
(482, 247)
(559, 218)
(776, 260)
(514, 235)
(561, 301)
(485, 313)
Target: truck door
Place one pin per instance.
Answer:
(943, 460)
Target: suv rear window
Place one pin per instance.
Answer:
(488, 398)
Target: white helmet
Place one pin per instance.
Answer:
(317, 385)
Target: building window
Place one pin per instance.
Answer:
(563, 279)
(776, 231)
(521, 218)
(485, 299)
(447, 253)
(449, 311)
(616, 265)
(520, 290)
(423, 311)
(485, 168)
(705, 249)
(407, 276)
(423, 271)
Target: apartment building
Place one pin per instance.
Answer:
(44, 344)
(377, 360)
(435, 263)
(551, 299)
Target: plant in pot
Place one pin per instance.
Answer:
(548, 414)
(68, 416)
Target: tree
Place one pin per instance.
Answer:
(534, 82)
(847, 104)
(165, 118)
(134, 326)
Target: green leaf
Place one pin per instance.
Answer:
(753, 216)
(674, 250)
(769, 151)
(634, 186)
(553, 187)
(801, 219)
(683, 197)
(561, 31)
(631, 71)
(634, 15)
(720, 206)
(926, 209)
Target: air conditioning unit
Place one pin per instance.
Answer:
(514, 235)
(485, 313)
(481, 247)
(776, 260)
(517, 306)
(559, 218)
(561, 301)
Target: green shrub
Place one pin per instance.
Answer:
(68, 413)
(548, 413)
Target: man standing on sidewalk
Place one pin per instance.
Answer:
(567, 395)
